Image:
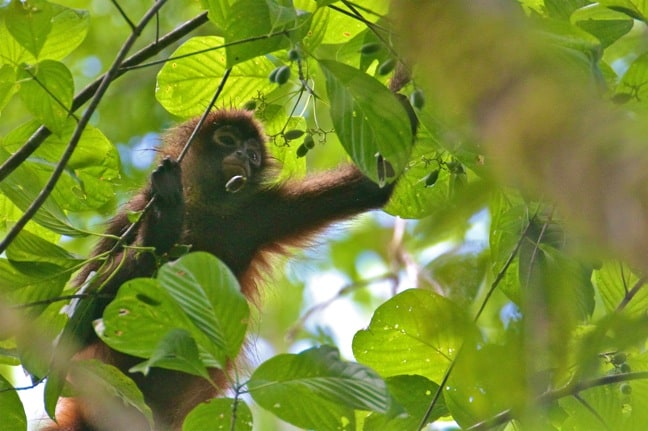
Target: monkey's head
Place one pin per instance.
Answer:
(228, 155)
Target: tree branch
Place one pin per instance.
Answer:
(142, 55)
(83, 121)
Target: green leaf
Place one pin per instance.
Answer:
(186, 85)
(177, 351)
(250, 19)
(39, 30)
(415, 332)
(11, 52)
(89, 177)
(368, 119)
(607, 25)
(27, 247)
(635, 80)
(26, 282)
(217, 415)
(30, 23)
(411, 397)
(487, 379)
(614, 410)
(209, 294)
(23, 186)
(634, 9)
(341, 28)
(140, 317)
(8, 85)
(102, 383)
(47, 89)
(53, 389)
(69, 29)
(11, 409)
(615, 282)
(315, 389)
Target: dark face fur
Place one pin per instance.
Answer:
(242, 155)
(228, 157)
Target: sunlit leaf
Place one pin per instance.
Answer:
(177, 351)
(210, 295)
(47, 90)
(415, 332)
(411, 397)
(316, 389)
(186, 85)
(368, 119)
(30, 23)
(218, 414)
(11, 409)
(102, 383)
(140, 317)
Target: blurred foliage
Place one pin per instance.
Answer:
(509, 294)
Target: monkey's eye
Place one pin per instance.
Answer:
(225, 138)
(253, 156)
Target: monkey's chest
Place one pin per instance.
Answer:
(229, 238)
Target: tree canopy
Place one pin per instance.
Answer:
(508, 293)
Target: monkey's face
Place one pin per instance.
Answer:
(242, 155)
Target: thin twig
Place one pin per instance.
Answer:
(76, 136)
(123, 14)
(631, 293)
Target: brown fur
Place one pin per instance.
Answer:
(242, 229)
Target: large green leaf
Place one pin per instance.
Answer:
(621, 288)
(177, 351)
(90, 175)
(411, 397)
(209, 294)
(614, 409)
(23, 186)
(217, 415)
(604, 23)
(196, 293)
(26, 282)
(27, 247)
(47, 89)
(487, 379)
(41, 30)
(105, 384)
(317, 390)
(30, 23)
(8, 85)
(415, 332)
(140, 317)
(186, 85)
(369, 120)
(11, 409)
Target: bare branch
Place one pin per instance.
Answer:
(76, 136)
(142, 55)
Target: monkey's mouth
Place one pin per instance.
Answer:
(235, 184)
(237, 177)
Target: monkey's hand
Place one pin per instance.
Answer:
(166, 183)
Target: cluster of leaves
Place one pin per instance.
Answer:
(520, 331)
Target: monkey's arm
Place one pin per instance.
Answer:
(305, 206)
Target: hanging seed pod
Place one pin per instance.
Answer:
(283, 75)
(386, 66)
(293, 134)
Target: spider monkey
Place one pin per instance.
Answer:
(218, 199)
